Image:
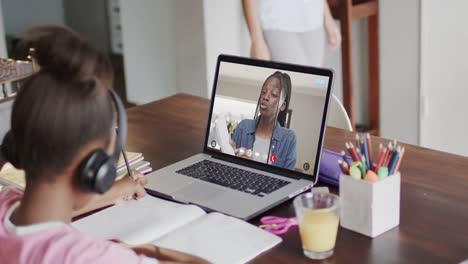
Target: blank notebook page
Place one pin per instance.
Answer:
(139, 222)
(220, 239)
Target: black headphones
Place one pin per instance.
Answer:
(98, 171)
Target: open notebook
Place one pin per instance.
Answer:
(214, 236)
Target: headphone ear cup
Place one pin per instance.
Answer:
(8, 150)
(105, 176)
(97, 172)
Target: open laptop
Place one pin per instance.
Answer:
(262, 146)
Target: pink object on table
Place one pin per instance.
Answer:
(277, 225)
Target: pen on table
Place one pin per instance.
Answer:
(125, 158)
(127, 165)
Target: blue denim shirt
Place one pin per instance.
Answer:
(283, 142)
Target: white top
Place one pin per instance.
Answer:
(260, 149)
(291, 15)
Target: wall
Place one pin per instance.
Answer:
(19, 15)
(360, 76)
(399, 66)
(149, 45)
(164, 48)
(444, 78)
(190, 46)
(225, 32)
(3, 49)
(5, 108)
(90, 19)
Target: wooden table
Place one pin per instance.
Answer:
(434, 192)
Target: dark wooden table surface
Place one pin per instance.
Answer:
(434, 192)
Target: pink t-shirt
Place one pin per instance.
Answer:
(53, 242)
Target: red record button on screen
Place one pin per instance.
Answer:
(273, 158)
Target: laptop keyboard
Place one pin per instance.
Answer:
(234, 178)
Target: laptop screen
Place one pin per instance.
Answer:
(269, 113)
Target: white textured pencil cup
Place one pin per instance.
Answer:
(370, 208)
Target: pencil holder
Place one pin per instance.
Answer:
(370, 208)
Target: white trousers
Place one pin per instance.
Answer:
(305, 48)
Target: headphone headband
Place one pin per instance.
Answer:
(122, 126)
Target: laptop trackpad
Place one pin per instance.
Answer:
(198, 192)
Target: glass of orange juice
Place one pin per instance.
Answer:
(318, 217)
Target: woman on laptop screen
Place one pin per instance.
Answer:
(265, 139)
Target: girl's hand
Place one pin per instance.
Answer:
(260, 50)
(135, 187)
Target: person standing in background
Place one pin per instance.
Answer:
(291, 31)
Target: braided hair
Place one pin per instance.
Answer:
(285, 87)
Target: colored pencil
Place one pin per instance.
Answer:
(344, 167)
(369, 146)
(363, 166)
(358, 155)
(352, 151)
(393, 163)
(366, 152)
(358, 142)
(397, 168)
(388, 155)
(343, 154)
(381, 159)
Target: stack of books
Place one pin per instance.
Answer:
(10, 176)
(136, 161)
